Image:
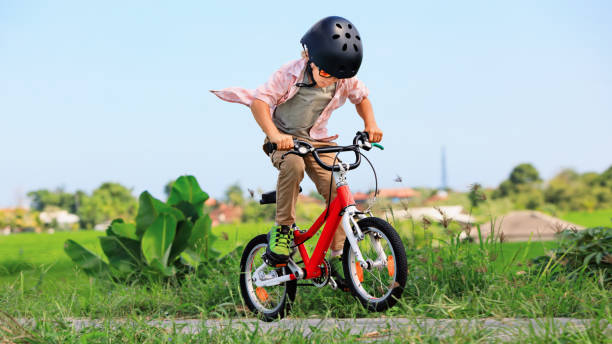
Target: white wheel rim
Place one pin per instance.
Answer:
(248, 273)
(353, 273)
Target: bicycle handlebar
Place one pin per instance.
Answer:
(302, 149)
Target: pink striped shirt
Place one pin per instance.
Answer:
(281, 87)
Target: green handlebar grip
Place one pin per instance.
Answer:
(379, 146)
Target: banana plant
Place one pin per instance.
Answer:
(165, 236)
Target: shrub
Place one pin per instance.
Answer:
(165, 237)
(588, 251)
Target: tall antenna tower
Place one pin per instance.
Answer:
(444, 185)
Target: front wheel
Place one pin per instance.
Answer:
(272, 302)
(379, 287)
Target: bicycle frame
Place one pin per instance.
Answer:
(341, 210)
(343, 199)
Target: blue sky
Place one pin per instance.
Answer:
(118, 91)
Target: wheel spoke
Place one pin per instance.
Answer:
(268, 299)
(376, 283)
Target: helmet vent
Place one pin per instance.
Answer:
(355, 46)
(336, 36)
(344, 47)
(347, 35)
(359, 38)
(350, 26)
(339, 26)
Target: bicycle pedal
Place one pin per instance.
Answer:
(332, 283)
(272, 262)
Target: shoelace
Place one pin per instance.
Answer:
(284, 239)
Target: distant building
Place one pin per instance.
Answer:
(395, 195)
(441, 195)
(225, 213)
(360, 197)
(18, 219)
(61, 218)
(437, 214)
(102, 226)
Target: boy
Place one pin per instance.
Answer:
(297, 102)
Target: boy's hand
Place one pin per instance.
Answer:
(283, 141)
(374, 133)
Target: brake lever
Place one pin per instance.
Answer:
(362, 139)
(299, 150)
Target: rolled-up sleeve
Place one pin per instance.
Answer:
(235, 95)
(275, 88)
(356, 90)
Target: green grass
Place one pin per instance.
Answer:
(588, 219)
(42, 250)
(459, 280)
(22, 252)
(37, 261)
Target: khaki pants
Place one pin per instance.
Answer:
(291, 172)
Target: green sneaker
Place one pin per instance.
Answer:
(279, 244)
(337, 272)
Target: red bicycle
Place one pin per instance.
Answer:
(374, 258)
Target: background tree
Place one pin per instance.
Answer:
(569, 190)
(255, 212)
(107, 202)
(5, 218)
(605, 179)
(523, 178)
(524, 174)
(234, 195)
(79, 198)
(43, 198)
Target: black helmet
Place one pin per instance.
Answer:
(334, 45)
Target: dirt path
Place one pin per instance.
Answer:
(525, 225)
(369, 327)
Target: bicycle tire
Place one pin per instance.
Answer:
(249, 293)
(395, 286)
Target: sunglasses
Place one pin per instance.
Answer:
(324, 74)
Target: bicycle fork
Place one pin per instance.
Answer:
(354, 235)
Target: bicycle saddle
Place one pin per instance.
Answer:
(270, 197)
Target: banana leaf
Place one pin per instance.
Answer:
(157, 239)
(149, 209)
(85, 259)
(181, 239)
(125, 230)
(187, 190)
(123, 254)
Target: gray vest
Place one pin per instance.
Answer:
(297, 115)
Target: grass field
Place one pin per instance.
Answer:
(594, 218)
(453, 281)
(32, 253)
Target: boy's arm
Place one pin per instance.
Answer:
(365, 111)
(261, 112)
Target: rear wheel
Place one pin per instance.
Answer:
(270, 303)
(379, 287)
